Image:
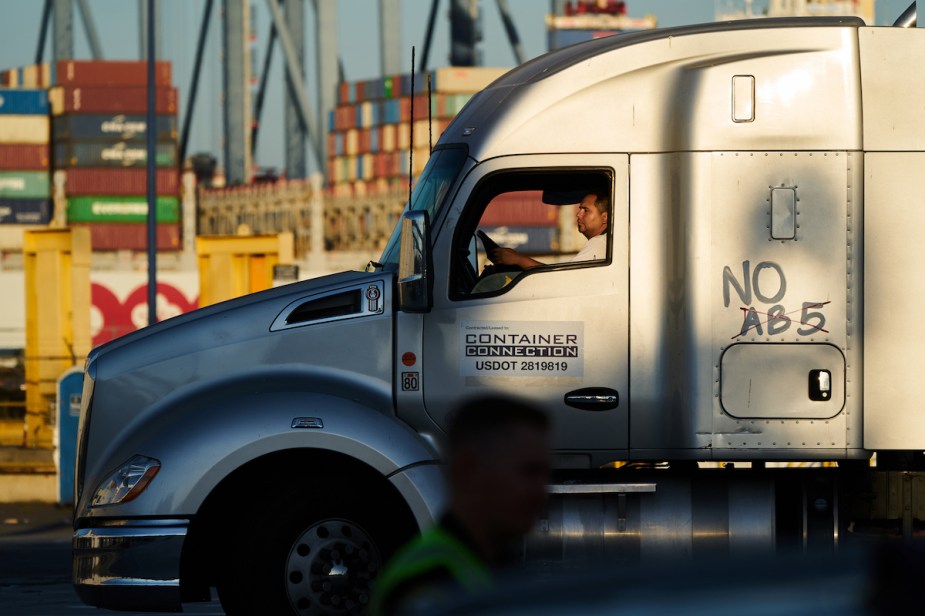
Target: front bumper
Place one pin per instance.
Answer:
(130, 564)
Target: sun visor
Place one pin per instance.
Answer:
(564, 197)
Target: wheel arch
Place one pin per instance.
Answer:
(202, 440)
(220, 513)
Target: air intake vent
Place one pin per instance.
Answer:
(332, 306)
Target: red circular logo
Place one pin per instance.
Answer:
(409, 358)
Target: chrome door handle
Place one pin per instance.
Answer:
(593, 399)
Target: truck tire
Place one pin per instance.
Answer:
(312, 551)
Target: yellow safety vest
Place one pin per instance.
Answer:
(434, 550)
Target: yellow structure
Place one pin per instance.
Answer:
(231, 266)
(57, 276)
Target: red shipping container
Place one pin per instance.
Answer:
(520, 209)
(359, 91)
(332, 144)
(68, 99)
(420, 107)
(24, 157)
(343, 92)
(345, 117)
(97, 181)
(109, 73)
(365, 141)
(404, 109)
(131, 236)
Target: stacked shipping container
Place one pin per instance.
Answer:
(25, 186)
(99, 132)
(372, 131)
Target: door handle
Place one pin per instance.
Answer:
(593, 399)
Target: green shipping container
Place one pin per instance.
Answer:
(120, 209)
(25, 184)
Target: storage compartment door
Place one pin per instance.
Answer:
(782, 381)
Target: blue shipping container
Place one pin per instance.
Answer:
(25, 211)
(331, 122)
(118, 127)
(392, 111)
(22, 102)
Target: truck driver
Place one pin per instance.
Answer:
(592, 217)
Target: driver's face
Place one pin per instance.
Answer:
(591, 222)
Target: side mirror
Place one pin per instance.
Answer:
(415, 264)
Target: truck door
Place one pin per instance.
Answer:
(555, 334)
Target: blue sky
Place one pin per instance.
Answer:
(117, 24)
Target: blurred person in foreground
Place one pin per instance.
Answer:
(498, 467)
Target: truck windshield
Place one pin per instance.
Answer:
(439, 174)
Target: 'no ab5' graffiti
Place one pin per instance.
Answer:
(766, 284)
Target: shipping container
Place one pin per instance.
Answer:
(25, 184)
(110, 73)
(388, 141)
(36, 76)
(403, 137)
(71, 99)
(464, 79)
(391, 112)
(112, 154)
(525, 240)
(24, 129)
(390, 88)
(120, 126)
(131, 236)
(404, 110)
(23, 102)
(109, 209)
(351, 142)
(103, 181)
(520, 209)
(424, 137)
(24, 157)
(25, 211)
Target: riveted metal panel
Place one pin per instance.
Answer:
(707, 275)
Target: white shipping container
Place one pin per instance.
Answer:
(464, 79)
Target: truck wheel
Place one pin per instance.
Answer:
(331, 568)
(313, 552)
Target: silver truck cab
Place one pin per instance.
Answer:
(748, 308)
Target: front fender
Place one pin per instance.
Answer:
(201, 439)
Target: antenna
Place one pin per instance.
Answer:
(430, 115)
(411, 133)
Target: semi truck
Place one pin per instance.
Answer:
(758, 306)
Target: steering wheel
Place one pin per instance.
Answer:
(490, 246)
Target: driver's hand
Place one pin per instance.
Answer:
(505, 256)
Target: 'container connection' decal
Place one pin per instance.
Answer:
(521, 348)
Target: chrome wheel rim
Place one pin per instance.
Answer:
(331, 568)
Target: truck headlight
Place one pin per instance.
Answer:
(126, 482)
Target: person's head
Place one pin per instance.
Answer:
(593, 214)
(498, 458)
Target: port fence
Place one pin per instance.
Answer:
(350, 223)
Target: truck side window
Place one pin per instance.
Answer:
(526, 222)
